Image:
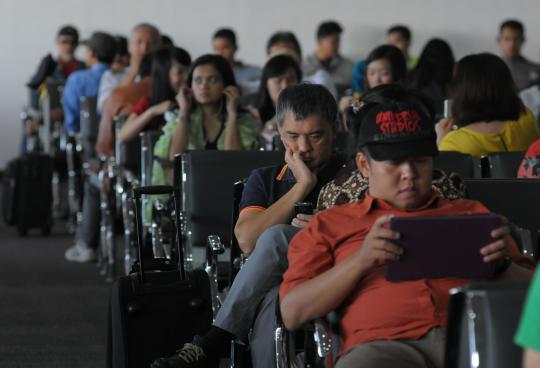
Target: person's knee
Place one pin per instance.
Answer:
(276, 238)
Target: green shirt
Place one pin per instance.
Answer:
(248, 129)
(528, 335)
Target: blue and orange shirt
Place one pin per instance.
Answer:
(267, 185)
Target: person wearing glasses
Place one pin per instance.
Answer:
(208, 117)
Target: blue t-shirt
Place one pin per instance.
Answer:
(83, 83)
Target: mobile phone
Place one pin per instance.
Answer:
(447, 108)
(303, 207)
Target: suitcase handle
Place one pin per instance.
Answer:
(153, 190)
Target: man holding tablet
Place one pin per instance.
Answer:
(339, 259)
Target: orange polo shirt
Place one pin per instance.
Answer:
(376, 309)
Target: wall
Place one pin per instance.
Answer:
(27, 30)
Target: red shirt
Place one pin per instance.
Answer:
(70, 66)
(141, 106)
(376, 309)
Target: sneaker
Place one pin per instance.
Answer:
(190, 355)
(79, 254)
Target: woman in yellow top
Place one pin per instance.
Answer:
(486, 109)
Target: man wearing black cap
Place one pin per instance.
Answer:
(85, 83)
(101, 50)
(337, 260)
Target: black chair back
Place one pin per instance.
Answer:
(517, 199)
(501, 165)
(482, 321)
(208, 178)
(464, 165)
(128, 153)
(235, 253)
(55, 90)
(89, 126)
(147, 142)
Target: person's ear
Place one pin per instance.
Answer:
(362, 164)
(281, 134)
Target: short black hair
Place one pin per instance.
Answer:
(329, 28)
(166, 41)
(103, 45)
(69, 30)
(225, 33)
(514, 24)
(483, 90)
(286, 37)
(121, 45)
(402, 29)
(304, 100)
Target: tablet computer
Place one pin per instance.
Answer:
(442, 246)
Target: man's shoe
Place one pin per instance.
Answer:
(80, 254)
(189, 356)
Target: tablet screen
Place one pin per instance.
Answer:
(442, 246)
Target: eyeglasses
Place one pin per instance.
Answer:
(211, 80)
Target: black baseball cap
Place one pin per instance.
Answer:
(395, 129)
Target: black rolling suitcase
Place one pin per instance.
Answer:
(155, 311)
(27, 192)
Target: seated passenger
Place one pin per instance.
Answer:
(337, 261)
(247, 76)
(208, 117)
(511, 39)
(169, 70)
(101, 50)
(279, 72)
(58, 70)
(487, 110)
(327, 56)
(144, 38)
(398, 36)
(385, 64)
(285, 42)
(120, 102)
(306, 117)
(433, 72)
(85, 83)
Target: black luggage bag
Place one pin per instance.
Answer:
(27, 192)
(155, 310)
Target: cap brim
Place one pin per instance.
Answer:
(396, 151)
